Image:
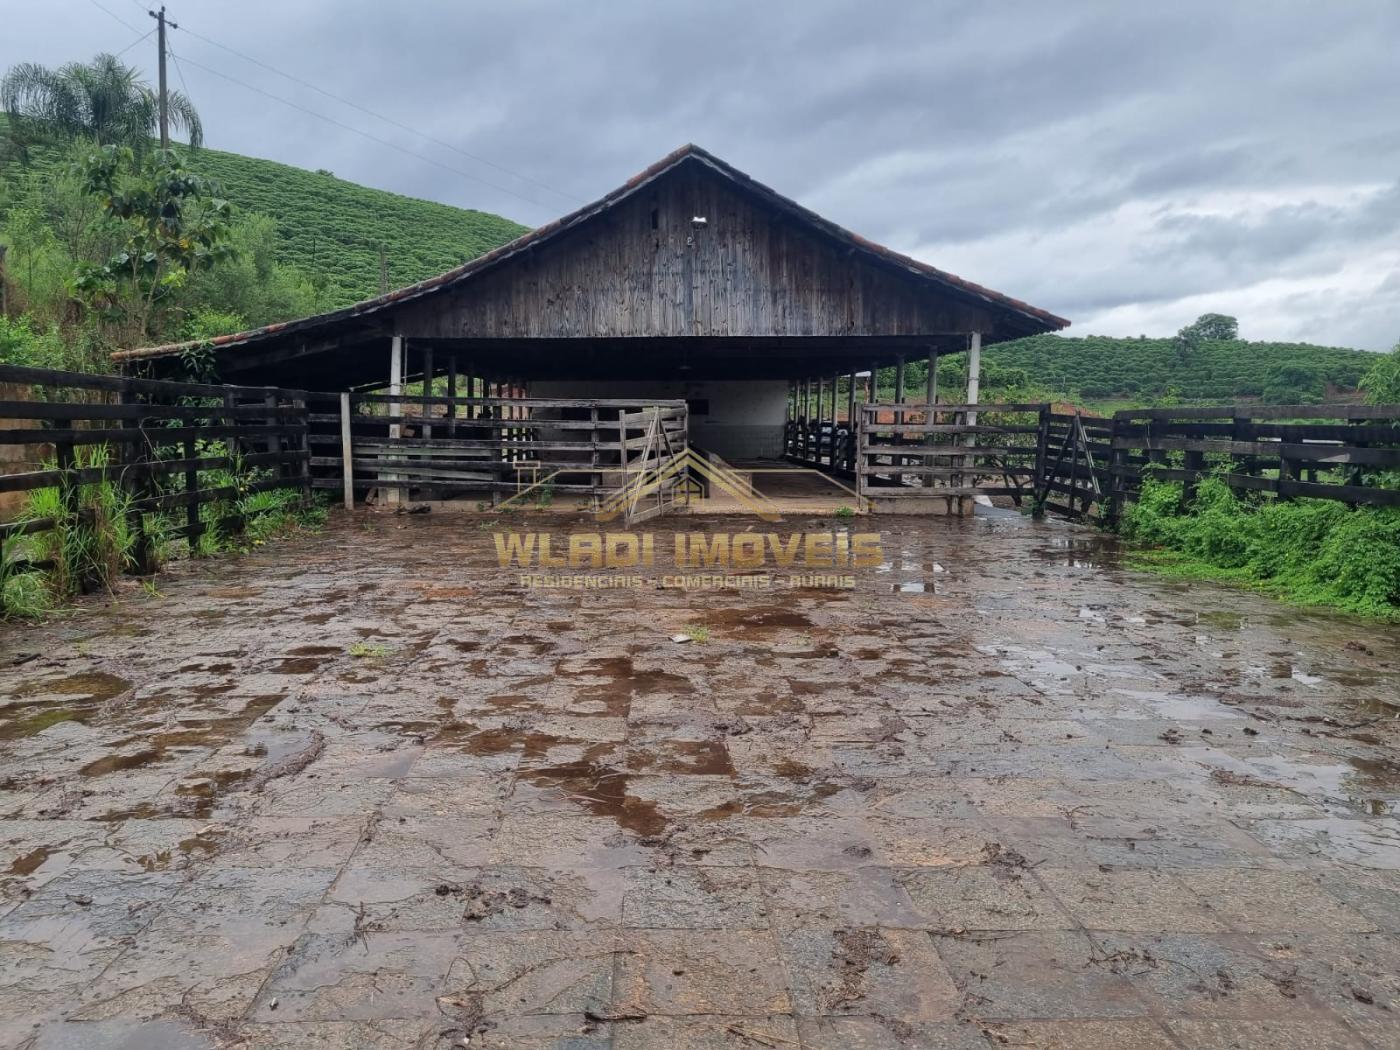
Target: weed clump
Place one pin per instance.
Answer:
(1312, 552)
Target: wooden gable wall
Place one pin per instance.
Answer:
(642, 269)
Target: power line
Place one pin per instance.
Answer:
(129, 46)
(178, 71)
(365, 134)
(113, 14)
(388, 120)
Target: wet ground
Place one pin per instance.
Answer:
(361, 791)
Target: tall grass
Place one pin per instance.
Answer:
(1313, 552)
(92, 541)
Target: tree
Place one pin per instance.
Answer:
(101, 100)
(174, 224)
(1382, 381)
(1209, 328)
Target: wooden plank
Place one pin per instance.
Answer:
(83, 411)
(912, 492)
(953, 450)
(1328, 411)
(947, 472)
(149, 468)
(527, 402)
(157, 435)
(86, 381)
(947, 428)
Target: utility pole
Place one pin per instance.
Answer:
(161, 23)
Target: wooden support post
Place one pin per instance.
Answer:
(832, 450)
(804, 417)
(392, 495)
(452, 392)
(596, 477)
(427, 392)
(851, 422)
(974, 373)
(789, 412)
(930, 400)
(974, 384)
(862, 439)
(347, 454)
(899, 416)
(821, 421)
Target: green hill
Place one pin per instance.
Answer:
(1103, 368)
(331, 229)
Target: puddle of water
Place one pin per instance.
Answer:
(31, 861)
(92, 690)
(688, 757)
(602, 791)
(297, 665)
(120, 763)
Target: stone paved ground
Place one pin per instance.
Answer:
(1004, 793)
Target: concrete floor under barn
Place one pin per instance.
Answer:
(361, 790)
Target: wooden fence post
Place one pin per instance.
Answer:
(1040, 484)
(347, 454)
(192, 522)
(135, 484)
(1194, 463)
(867, 413)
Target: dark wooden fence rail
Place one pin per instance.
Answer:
(1338, 452)
(908, 451)
(152, 430)
(440, 446)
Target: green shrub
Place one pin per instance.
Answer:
(1314, 552)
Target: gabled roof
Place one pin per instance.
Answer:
(1036, 320)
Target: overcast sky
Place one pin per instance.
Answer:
(1128, 164)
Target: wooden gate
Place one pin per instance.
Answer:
(656, 480)
(1070, 469)
(518, 451)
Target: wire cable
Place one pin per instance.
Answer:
(379, 116)
(140, 40)
(368, 135)
(113, 14)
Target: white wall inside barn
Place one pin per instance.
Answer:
(745, 418)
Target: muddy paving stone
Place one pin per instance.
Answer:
(1264, 901)
(1081, 1035)
(1005, 896)
(888, 1033)
(1003, 793)
(1035, 975)
(1132, 901)
(1233, 1035)
(868, 970)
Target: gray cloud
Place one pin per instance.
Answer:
(1123, 164)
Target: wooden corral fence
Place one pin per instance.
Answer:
(153, 439)
(508, 447)
(1070, 463)
(907, 451)
(1339, 452)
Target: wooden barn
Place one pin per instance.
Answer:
(692, 290)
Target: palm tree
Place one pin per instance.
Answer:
(101, 100)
